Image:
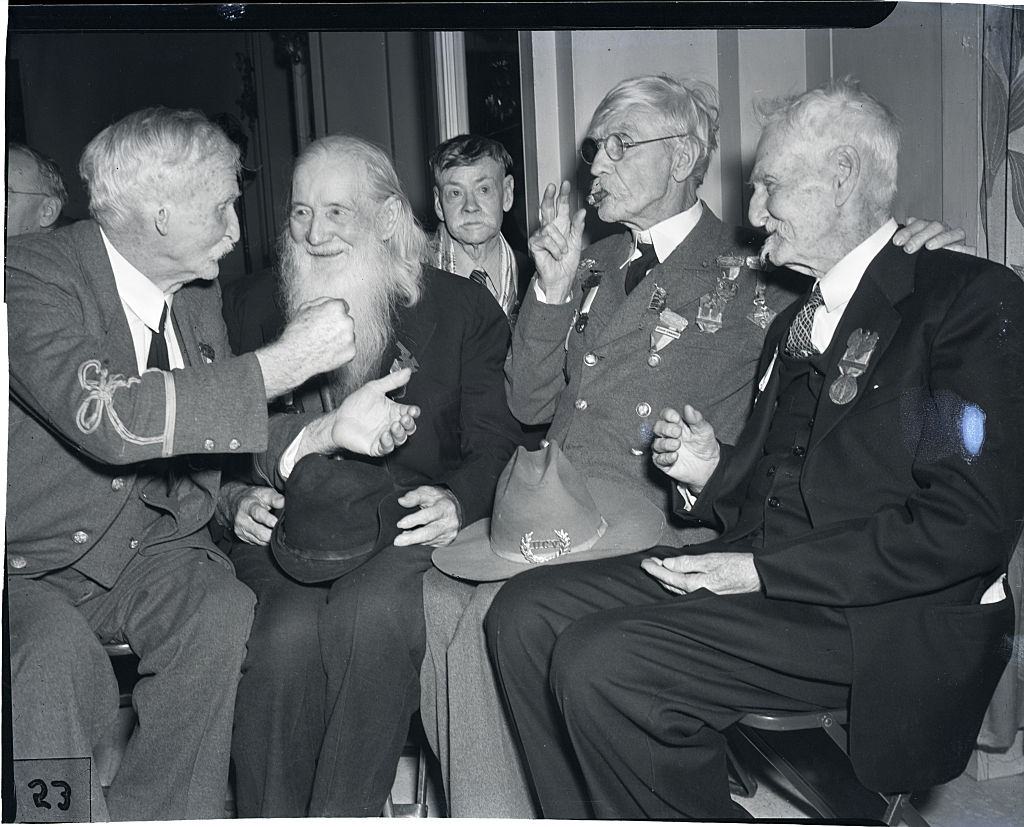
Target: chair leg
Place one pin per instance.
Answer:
(898, 808)
(741, 782)
(789, 772)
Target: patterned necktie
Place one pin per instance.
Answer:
(158, 357)
(799, 345)
(480, 277)
(638, 267)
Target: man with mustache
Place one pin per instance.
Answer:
(868, 512)
(125, 400)
(331, 677)
(673, 309)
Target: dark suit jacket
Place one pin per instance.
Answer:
(465, 434)
(84, 424)
(915, 492)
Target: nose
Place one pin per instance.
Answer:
(602, 163)
(233, 232)
(471, 205)
(317, 232)
(756, 210)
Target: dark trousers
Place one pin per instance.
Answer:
(187, 618)
(619, 689)
(329, 685)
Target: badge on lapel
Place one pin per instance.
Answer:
(405, 359)
(859, 348)
(207, 352)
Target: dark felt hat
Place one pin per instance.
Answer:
(545, 513)
(338, 514)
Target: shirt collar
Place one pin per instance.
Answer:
(668, 234)
(138, 293)
(839, 283)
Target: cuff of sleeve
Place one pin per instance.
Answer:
(687, 497)
(542, 298)
(287, 461)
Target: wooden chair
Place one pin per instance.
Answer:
(897, 806)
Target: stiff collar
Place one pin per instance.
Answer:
(668, 234)
(138, 293)
(839, 283)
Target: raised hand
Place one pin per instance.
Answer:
(437, 521)
(685, 447)
(557, 244)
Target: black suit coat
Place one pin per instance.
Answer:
(915, 492)
(465, 433)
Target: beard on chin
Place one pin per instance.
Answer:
(361, 278)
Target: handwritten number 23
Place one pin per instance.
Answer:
(39, 797)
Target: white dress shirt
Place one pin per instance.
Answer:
(143, 304)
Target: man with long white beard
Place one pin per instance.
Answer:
(331, 676)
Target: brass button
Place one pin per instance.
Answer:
(117, 483)
(774, 502)
(233, 445)
(581, 404)
(17, 562)
(133, 543)
(643, 409)
(590, 360)
(208, 444)
(79, 537)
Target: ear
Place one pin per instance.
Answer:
(684, 159)
(49, 212)
(508, 191)
(437, 205)
(387, 218)
(844, 164)
(162, 220)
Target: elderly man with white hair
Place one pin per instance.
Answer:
(867, 510)
(125, 398)
(330, 682)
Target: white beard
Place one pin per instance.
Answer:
(360, 277)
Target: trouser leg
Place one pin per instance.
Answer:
(444, 601)
(372, 644)
(279, 711)
(187, 618)
(63, 690)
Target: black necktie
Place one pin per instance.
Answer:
(158, 357)
(799, 344)
(638, 267)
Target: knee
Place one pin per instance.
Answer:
(54, 647)
(371, 607)
(516, 620)
(223, 612)
(284, 641)
(584, 661)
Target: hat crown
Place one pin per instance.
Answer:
(542, 508)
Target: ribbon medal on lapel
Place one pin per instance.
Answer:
(207, 352)
(859, 348)
(405, 359)
(669, 328)
(589, 289)
(762, 314)
(709, 310)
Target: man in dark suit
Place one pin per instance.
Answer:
(868, 511)
(125, 398)
(35, 191)
(331, 677)
(473, 190)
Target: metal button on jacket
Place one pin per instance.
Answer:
(208, 444)
(79, 537)
(117, 483)
(17, 562)
(581, 404)
(133, 543)
(773, 502)
(643, 409)
(590, 359)
(233, 445)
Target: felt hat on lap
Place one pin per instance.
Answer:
(338, 514)
(546, 513)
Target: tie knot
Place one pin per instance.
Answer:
(647, 252)
(479, 276)
(815, 300)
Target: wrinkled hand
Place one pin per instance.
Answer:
(370, 423)
(932, 235)
(253, 522)
(324, 331)
(685, 447)
(438, 519)
(727, 572)
(557, 244)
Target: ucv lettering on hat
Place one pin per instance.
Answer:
(544, 513)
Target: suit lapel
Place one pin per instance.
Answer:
(888, 279)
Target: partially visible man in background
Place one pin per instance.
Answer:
(35, 191)
(473, 189)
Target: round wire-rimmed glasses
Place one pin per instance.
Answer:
(615, 145)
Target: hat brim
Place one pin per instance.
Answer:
(634, 523)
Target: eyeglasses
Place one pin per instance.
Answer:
(615, 145)
(26, 192)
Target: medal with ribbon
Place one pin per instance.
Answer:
(711, 305)
(859, 348)
(669, 328)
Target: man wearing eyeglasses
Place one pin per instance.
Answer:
(672, 310)
(35, 191)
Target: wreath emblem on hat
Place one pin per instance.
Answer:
(563, 545)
